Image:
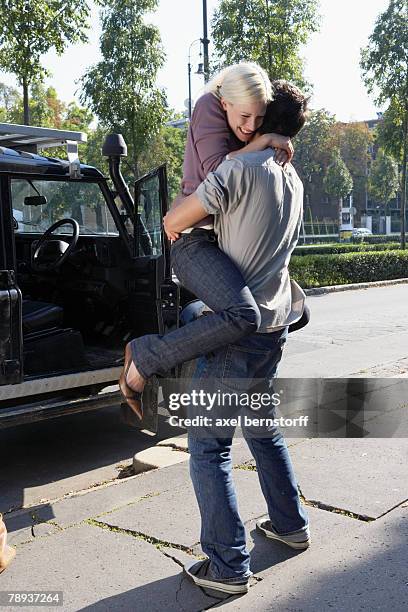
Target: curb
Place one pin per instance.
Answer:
(165, 453)
(354, 286)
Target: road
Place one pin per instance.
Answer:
(360, 333)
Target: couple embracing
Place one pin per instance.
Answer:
(233, 230)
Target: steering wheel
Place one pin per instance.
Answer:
(66, 246)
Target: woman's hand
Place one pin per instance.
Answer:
(283, 146)
(172, 236)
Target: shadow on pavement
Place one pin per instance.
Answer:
(48, 459)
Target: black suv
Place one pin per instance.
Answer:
(83, 269)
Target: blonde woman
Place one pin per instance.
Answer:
(224, 121)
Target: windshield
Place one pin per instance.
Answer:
(37, 204)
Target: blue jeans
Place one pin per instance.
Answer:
(210, 275)
(222, 531)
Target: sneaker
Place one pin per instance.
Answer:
(298, 540)
(200, 573)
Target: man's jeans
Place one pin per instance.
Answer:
(222, 531)
(210, 275)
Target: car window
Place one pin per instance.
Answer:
(37, 204)
(149, 209)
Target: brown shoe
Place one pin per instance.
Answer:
(132, 398)
(7, 553)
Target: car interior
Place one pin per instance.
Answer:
(83, 294)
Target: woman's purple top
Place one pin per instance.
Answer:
(209, 140)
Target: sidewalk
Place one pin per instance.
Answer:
(121, 547)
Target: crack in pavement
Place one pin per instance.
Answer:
(328, 508)
(141, 536)
(401, 504)
(343, 511)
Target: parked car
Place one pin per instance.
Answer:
(83, 269)
(361, 231)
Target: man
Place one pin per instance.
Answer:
(257, 208)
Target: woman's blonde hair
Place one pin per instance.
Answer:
(241, 83)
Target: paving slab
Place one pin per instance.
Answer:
(74, 509)
(43, 461)
(364, 568)
(173, 515)
(365, 476)
(266, 554)
(241, 454)
(101, 570)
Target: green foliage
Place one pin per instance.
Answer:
(28, 30)
(168, 147)
(120, 89)
(375, 239)
(337, 180)
(311, 145)
(384, 60)
(334, 249)
(10, 100)
(385, 72)
(383, 181)
(324, 270)
(268, 32)
(390, 131)
(354, 141)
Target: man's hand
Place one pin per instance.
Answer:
(187, 213)
(171, 235)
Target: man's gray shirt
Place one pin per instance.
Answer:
(257, 208)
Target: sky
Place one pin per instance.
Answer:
(331, 55)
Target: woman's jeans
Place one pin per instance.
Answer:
(222, 532)
(210, 275)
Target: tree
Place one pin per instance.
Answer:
(354, 141)
(121, 89)
(390, 131)
(312, 151)
(269, 32)
(30, 28)
(168, 147)
(384, 63)
(9, 101)
(337, 181)
(383, 181)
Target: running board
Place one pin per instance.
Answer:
(43, 410)
(58, 383)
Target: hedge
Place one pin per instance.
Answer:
(331, 249)
(322, 270)
(375, 239)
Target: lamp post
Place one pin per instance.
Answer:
(199, 71)
(205, 43)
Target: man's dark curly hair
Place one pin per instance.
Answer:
(287, 113)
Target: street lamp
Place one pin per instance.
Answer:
(200, 70)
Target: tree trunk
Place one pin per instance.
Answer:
(404, 179)
(340, 214)
(25, 102)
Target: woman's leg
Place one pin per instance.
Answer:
(206, 271)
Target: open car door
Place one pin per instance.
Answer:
(11, 368)
(152, 274)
